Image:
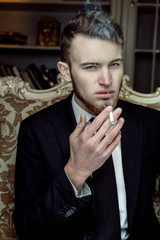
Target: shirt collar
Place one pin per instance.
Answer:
(78, 111)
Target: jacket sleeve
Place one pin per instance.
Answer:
(44, 197)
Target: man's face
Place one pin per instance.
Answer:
(96, 72)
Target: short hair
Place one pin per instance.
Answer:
(94, 24)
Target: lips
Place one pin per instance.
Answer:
(105, 94)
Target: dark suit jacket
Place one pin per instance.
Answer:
(45, 204)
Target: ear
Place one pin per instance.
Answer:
(64, 70)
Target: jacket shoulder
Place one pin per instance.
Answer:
(138, 110)
(49, 112)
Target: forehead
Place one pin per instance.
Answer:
(85, 48)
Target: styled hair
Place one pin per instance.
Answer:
(94, 24)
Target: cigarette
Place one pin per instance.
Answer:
(111, 118)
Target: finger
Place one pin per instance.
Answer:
(110, 148)
(117, 112)
(106, 126)
(112, 134)
(80, 126)
(106, 141)
(98, 121)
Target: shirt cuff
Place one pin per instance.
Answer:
(85, 191)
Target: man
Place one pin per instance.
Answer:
(80, 179)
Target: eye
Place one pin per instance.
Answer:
(91, 67)
(114, 64)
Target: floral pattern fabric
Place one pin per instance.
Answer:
(12, 111)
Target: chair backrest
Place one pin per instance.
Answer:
(17, 101)
(151, 100)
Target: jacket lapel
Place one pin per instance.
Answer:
(132, 141)
(65, 124)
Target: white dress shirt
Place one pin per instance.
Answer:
(117, 162)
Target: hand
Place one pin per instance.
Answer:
(90, 148)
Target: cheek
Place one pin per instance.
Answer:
(117, 78)
(121, 73)
(118, 73)
(82, 81)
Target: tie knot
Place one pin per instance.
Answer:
(92, 119)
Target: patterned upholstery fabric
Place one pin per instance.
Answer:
(17, 101)
(13, 109)
(156, 199)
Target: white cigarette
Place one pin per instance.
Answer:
(111, 118)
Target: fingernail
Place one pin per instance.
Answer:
(118, 110)
(122, 119)
(109, 108)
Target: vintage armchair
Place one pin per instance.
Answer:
(17, 101)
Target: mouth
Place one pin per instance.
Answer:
(105, 94)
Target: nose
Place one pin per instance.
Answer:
(105, 77)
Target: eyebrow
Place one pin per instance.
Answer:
(89, 63)
(95, 63)
(117, 60)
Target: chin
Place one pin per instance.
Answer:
(96, 109)
(112, 102)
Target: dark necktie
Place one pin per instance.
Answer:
(105, 203)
